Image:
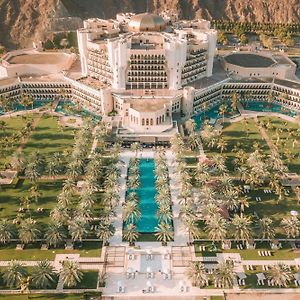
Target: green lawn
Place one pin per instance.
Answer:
(290, 132)
(48, 138)
(89, 280)
(245, 133)
(285, 253)
(270, 207)
(14, 125)
(251, 281)
(44, 297)
(10, 199)
(33, 252)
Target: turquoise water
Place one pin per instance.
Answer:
(83, 113)
(147, 193)
(212, 115)
(265, 107)
(36, 104)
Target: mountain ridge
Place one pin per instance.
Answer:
(22, 21)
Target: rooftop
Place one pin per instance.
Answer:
(248, 60)
(147, 105)
(146, 22)
(39, 58)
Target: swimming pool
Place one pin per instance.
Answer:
(212, 115)
(18, 107)
(61, 108)
(147, 193)
(267, 107)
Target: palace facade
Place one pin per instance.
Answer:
(144, 74)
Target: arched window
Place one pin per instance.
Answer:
(143, 122)
(151, 122)
(147, 122)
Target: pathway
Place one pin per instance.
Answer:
(118, 220)
(180, 232)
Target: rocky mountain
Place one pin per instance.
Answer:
(22, 21)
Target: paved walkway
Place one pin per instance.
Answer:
(180, 232)
(116, 240)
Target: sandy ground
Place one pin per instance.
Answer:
(263, 296)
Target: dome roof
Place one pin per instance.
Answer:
(146, 22)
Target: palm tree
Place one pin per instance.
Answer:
(28, 231)
(216, 227)
(55, 235)
(43, 274)
(243, 202)
(291, 226)
(14, 274)
(130, 234)
(197, 274)
(7, 231)
(71, 274)
(222, 145)
(265, 228)
(224, 275)
(242, 230)
(105, 231)
(131, 212)
(164, 233)
(164, 213)
(222, 111)
(78, 229)
(136, 147)
(35, 193)
(193, 229)
(279, 275)
(190, 126)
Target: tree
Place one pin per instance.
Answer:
(14, 274)
(55, 235)
(190, 126)
(71, 274)
(136, 147)
(197, 274)
(291, 226)
(222, 111)
(130, 234)
(279, 275)
(78, 229)
(105, 231)
(35, 193)
(242, 230)
(265, 228)
(164, 233)
(7, 231)
(131, 212)
(224, 275)
(28, 231)
(43, 274)
(216, 227)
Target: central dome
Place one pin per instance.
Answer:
(146, 22)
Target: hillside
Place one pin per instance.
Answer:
(21, 21)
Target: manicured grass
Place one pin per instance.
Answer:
(286, 253)
(14, 125)
(245, 133)
(270, 207)
(47, 138)
(10, 200)
(44, 297)
(288, 138)
(251, 281)
(89, 280)
(33, 252)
